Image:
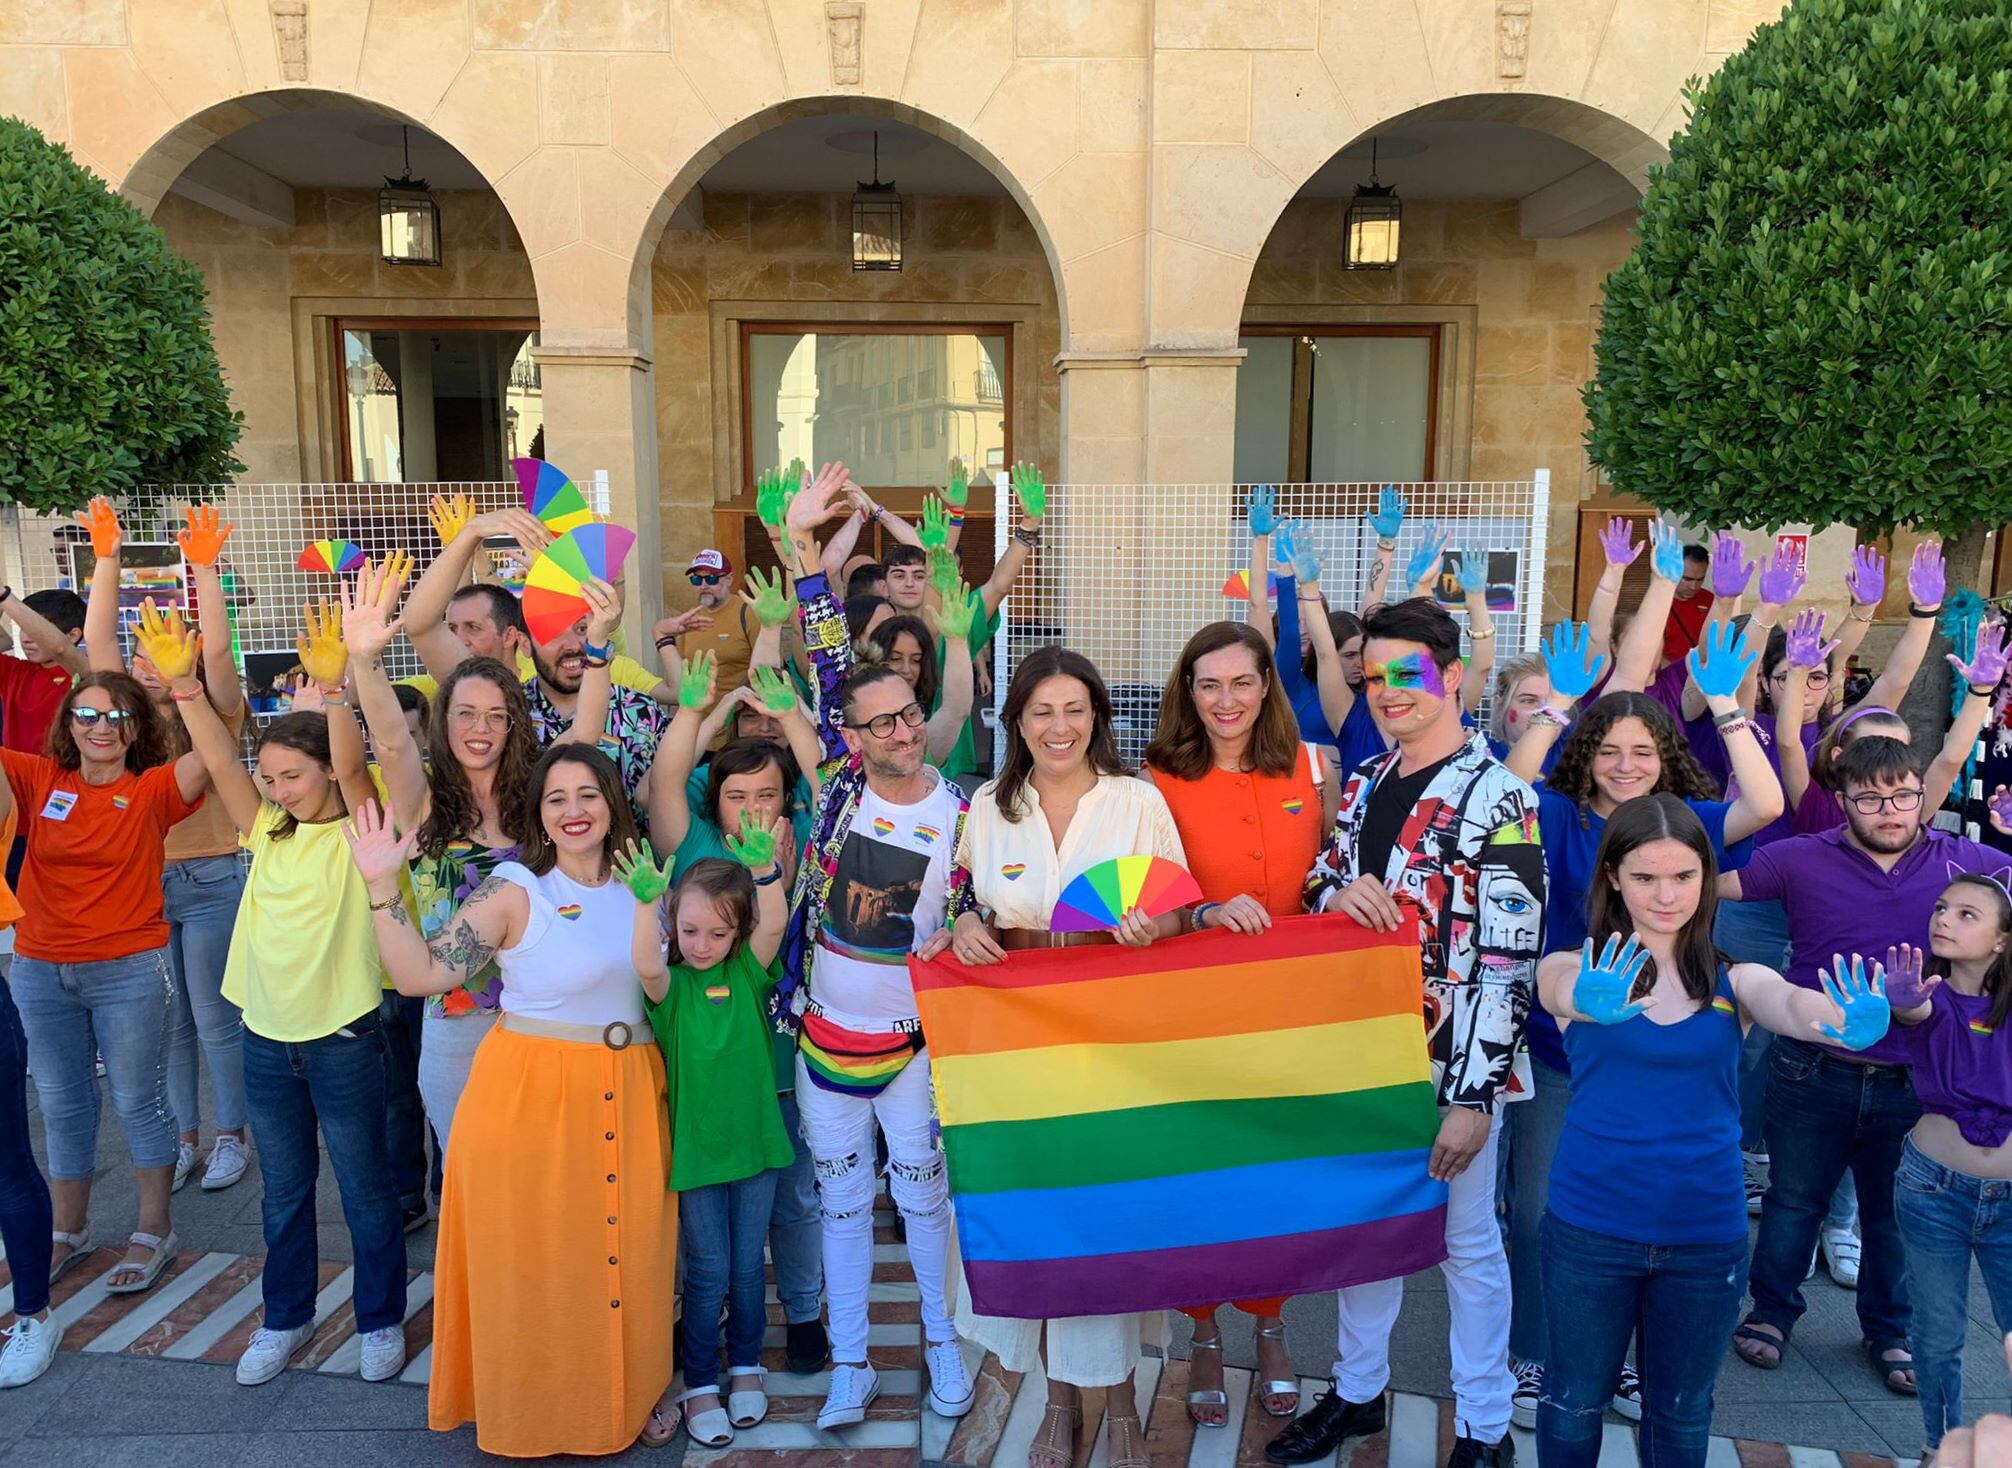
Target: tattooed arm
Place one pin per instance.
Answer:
(493, 917)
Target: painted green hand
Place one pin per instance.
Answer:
(695, 683)
(754, 848)
(943, 572)
(772, 605)
(959, 492)
(772, 497)
(935, 531)
(959, 609)
(636, 868)
(1031, 490)
(772, 688)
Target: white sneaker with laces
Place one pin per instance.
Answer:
(853, 1389)
(1628, 1395)
(268, 1353)
(228, 1160)
(30, 1350)
(185, 1163)
(1840, 1250)
(950, 1390)
(1529, 1387)
(383, 1353)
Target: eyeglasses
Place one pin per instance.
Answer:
(1872, 805)
(494, 721)
(1817, 677)
(707, 580)
(91, 718)
(882, 725)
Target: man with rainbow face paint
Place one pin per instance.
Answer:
(1438, 832)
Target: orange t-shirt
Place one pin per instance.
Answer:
(10, 906)
(91, 885)
(1249, 833)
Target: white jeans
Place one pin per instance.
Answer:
(1477, 1291)
(839, 1130)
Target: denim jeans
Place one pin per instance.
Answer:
(795, 1234)
(1753, 932)
(336, 1083)
(201, 899)
(1533, 1127)
(1825, 1115)
(723, 1228)
(73, 1012)
(402, 1018)
(25, 1215)
(1946, 1217)
(1680, 1301)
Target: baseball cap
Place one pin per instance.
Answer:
(709, 560)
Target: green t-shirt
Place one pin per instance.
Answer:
(719, 1069)
(964, 754)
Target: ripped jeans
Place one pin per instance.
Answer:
(1598, 1291)
(839, 1129)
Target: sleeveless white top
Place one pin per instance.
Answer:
(572, 964)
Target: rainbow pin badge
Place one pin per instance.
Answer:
(571, 911)
(1723, 1005)
(1292, 805)
(120, 802)
(1978, 1027)
(882, 826)
(1013, 870)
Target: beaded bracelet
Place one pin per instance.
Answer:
(774, 876)
(1199, 911)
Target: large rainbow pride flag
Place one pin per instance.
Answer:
(1216, 1117)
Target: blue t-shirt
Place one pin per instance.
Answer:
(1650, 1150)
(1360, 739)
(1501, 751)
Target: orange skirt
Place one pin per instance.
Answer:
(554, 1274)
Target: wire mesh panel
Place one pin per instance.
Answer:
(1126, 573)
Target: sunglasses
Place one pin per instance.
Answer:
(91, 718)
(698, 580)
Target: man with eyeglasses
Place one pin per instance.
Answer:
(1863, 888)
(878, 882)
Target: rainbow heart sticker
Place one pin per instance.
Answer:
(1012, 870)
(120, 802)
(927, 835)
(1724, 1005)
(1292, 805)
(1978, 1027)
(882, 826)
(571, 910)
(718, 993)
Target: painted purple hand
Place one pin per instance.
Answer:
(1927, 578)
(1804, 646)
(1907, 987)
(2000, 808)
(1866, 580)
(1730, 569)
(1782, 576)
(1986, 666)
(1618, 541)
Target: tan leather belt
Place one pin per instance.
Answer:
(616, 1035)
(1016, 938)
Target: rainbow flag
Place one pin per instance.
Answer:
(1216, 1117)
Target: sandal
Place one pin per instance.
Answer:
(80, 1246)
(1896, 1375)
(1054, 1446)
(1751, 1339)
(145, 1276)
(661, 1429)
(1217, 1397)
(746, 1408)
(1286, 1390)
(711, 1428)
(1135, 1440)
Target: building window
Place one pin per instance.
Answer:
(425, 402)
(936, 394)
(1337, 405)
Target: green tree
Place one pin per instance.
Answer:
(1813, 327)
(108, 376)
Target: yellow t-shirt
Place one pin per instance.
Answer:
(304, 958)
(625, 671)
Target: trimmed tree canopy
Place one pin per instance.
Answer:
(108, 377)
(1814, 325)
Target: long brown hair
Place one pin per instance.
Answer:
(1635, 823)
(149, 746)
(1998, 978)
(303, 733)
(928, 678)
(537, 853)
(1036, 668)
(1180, 744)
(454, 814)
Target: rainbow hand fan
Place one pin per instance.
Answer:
(552, 600)
(331, 556)
(1104, 893)
(551, 496)
(1238, 587)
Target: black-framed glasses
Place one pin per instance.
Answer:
(882, 725)
(85, 718)
(1872, 805)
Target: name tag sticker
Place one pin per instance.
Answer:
(61, 802)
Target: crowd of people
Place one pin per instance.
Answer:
(632, 950)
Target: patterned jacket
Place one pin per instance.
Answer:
(843, 777)
(1467, 862)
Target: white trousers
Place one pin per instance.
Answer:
(1477, 1291)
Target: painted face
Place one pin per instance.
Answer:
(705, 933)
(1967, 926)
(1661, 882)
(1228, 691)
(907, 586)
(572, 809)
(478, 724)
(1406, 689)
(1529, 695)
(1626, 763)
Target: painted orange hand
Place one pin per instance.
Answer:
(204, 540)
(103, 523)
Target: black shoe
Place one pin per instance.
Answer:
(806, 1349)
(1472, 1453)
(417, 1216)
(1330, 1422)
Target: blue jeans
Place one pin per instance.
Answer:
(1827, 1115)
(201, 899)
(1680, 1300)
(1753, 932)
(401, 1018)
(25, 1216)
(74, 1012)
(338, 1084)
(723, 1228)
(1534, 1126)
(1946, 1217)
(795, 1232)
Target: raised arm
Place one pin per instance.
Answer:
(1788, 707)
(1031, 490)
(325, 659)
(101, 606)
(173, 647)
(1336, 697)
(1386, 520)
(1866, 583)
(1730, 571)
(647, 879)
(597, 657)
(202, 544)
(1981, 676)
(772, 606)
(774, 692)
(1421, 572)
(1718, 666)
(1573, 669)
(677, 752)
(1852, 1009)
(1926, 579)
(1618, 543)
(823, 621)
(368, 626)
(958, 685)
(754, 848)
(426, 608)
(492, 918)
(1262, 515)
(1635, 662)
(1473, 573)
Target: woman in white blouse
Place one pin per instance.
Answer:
(1062, 803)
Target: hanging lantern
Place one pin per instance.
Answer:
(876, 222)
(1370, 228)
(408, 220)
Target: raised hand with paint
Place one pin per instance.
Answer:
(1568, 656)
(636, 867)
(1863, 1013)
(1618, 543)
(1866, 578)
(1262, 511)
(1422, 570)
(1731, 570)
(1782, 575)
(1720, 663)
(1604, 990)
(1927, 577)
(1387, 519)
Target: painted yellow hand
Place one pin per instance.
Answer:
(450, 516)
(323, 654)
(166, 641)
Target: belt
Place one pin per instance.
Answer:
(1017, 938)
(616, 1035)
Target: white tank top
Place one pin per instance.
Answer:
(572, 964)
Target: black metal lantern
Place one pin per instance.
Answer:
(1370, 228)
(876, 221)
(408, 220)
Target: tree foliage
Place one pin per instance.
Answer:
(1813, 327)
(108, 376)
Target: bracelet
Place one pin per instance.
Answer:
(664, 642)
(1482, 636)
(1199, 911)
(587, 662)
(1309, 597)
(1029, 538)
(1730, 716)
(1556, 718)
(603, 652)
(1915, 609)
(1984, 692)
(1385, 545)
(955, 515)
(774, 876)
(388, 904)
(1867, 618)
(193, 693)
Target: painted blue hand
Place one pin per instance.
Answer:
(1667, 561)
(1306, 568)
(1861, 1002)
(1426, 559)
(1472, 569)
(1568, 657)
(1286, 542)
(1388, 517)
(1263, 510)
(1719, 664)
(1601, 991)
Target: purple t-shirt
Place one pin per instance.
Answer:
(1841, 901)
(1962, 1066)
(1782, 826)
(1818, 810)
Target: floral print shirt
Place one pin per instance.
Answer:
(636, 722)
(442, 883)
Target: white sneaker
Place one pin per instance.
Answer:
(1840, 1250)
(185, 1163)
(383, 1353)
(228, 1160)
(30, 1350)
(853, 1389)
(269, 1352)
(1628, 1395)
(1523, 1401)
(950, 1390)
